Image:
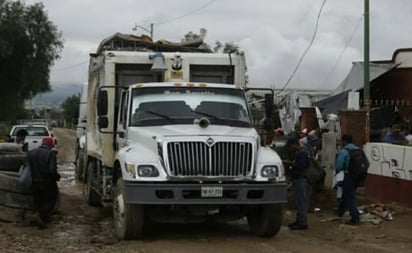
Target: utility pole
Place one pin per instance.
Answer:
(366, 82)
(144, 28)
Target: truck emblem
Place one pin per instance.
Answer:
(210, 141)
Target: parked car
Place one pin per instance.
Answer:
(35, 134)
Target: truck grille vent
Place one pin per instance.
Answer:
(198, 159)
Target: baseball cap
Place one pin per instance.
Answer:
(48, 141)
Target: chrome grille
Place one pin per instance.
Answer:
(198, 159)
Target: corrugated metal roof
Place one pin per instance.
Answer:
(354, 80)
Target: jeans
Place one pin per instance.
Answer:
(348, 200)
(300, 186)
(44, 199)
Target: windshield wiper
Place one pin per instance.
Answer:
(207, 115)
(159, 114)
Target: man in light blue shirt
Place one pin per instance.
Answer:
(348, 200)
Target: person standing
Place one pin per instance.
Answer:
(298, 169)
(20, 139)
(43, 164)
(348, 198)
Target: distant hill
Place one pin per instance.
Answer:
(54, 98)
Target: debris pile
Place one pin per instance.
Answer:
(372, 213)
(376, 213)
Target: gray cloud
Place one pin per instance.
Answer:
(273, 34)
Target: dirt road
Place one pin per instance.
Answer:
(81, 228)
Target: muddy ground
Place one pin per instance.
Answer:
(78, 227)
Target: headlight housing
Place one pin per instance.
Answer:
(147, 171)
(270, 171)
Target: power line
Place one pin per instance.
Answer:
(345, 47)
(71, 66)
(187, 14)
(306, 50)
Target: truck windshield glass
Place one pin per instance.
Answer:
(180, 105)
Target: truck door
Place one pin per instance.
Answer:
(123, 119)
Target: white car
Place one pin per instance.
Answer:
(36, 133)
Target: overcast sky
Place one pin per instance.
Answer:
(272, 33)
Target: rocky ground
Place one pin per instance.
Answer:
(78, 227)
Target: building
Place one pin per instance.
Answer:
(390, 176)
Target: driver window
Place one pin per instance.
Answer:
(123, 111)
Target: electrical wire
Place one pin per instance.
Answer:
(306, 50)
(187, 14)
(344, 49)
(71, 66)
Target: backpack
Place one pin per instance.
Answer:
(358, 166)
(315, 172)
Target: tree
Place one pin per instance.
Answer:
(29, 45)
(70, 108)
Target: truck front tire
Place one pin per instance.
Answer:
(128, 219)
(265, 220)
(92, 197)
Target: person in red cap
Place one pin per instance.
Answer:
(43, 165)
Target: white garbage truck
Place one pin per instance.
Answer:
(170, 138)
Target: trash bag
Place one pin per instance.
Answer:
(25, 177)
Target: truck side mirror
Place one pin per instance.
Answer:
(102, 103)
(103, 122)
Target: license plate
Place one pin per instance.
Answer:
(212, 192)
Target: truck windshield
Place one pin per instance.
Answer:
(152, 106)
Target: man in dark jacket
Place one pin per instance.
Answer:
(43, 164)
(299, 167)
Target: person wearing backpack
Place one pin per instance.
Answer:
(352, 161)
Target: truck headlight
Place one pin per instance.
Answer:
(271, 171)
(147, 171)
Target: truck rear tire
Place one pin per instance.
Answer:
(128, 219)
(265, 220)
(92, 197)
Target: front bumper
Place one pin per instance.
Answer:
(173, 193)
